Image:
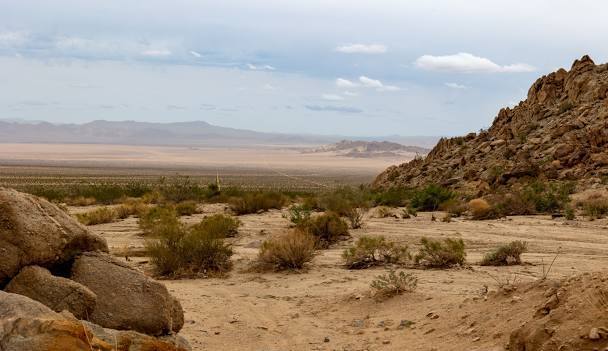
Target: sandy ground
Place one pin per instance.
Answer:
(328, 307)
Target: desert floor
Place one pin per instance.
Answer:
(328, 307)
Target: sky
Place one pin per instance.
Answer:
(340, 67)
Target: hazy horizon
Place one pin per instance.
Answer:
(307, 67)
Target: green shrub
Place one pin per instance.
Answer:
(393, 197)
(429, 198)
(505, 255)
(343, 200)
(548, 197)
(186, 208)
(569, 213)
(180, 251)
(327, 228)
(441, 254)
(393, 284)
(355, 217)
(257, 202)
(299, 214)
(98, 216)
(154, 218)
(220, 225)
(375, 251)
(288, 251)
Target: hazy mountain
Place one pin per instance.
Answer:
(145, 133)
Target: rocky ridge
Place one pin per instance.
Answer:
(559, 132)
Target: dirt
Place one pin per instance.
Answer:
(328, 307)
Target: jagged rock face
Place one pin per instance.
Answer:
(559, 132)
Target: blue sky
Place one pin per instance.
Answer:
(326, 67)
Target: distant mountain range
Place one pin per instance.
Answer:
(369, 149)
(166, 134)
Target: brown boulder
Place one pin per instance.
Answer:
(55, 292)
(35, 232)
(126, 298)
(26, 324)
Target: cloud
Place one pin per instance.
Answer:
(350, 93)
(269, 87)
(468, 63)
(176, 107)
(455, 86)
(260, 68)
(12, 39)
(195, 54)
(378, 85)
(345, 83)
(332, 97)
(331, 108)
(361, 49)
(156, 52)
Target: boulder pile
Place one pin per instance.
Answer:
(560, 132)
(63, 291)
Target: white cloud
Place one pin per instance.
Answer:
(345, 83)
(332, 97)
(13, 38)
(260, 68)
(361, 49)
(378, 85)
(455, 86)
(350, 93)
(467, 63)
(269, 87)
(195, 54)
(156, 52)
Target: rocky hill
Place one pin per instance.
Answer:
(560, 132)
(369, 149)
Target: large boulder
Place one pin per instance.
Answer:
(55, 292)
(126, 298)
(26, 324)
(35, 232)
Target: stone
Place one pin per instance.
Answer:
(35, 232)
(126, 298)
(57, 293)
(594, 334)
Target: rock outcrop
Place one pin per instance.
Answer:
(35, 232)
(26, 324)
(57, 293)
(126, 298)
(560, 132)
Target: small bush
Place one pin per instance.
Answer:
(288, 251)
(548, 197)
(453, 207)
(186, 208)
(181, 251)
(257, 202)
(595, 206)
(441, 254)
(429, 198)
(326, 228)
(393, 284)
(97, 216)
(154, 218)
(569, 213)
(385, 212)
(505, 255)
(81, 201)
(481, 209)
(299, 214)
(220, 225)
(374, 251)
(130, 208)
(355, 217)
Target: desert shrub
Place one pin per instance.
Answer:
(392, 284)
(548, 197)
(97, 216)
(481, 209)
(257, 202)
(505, 255)
(343, 200)
(180, 189)
(220, 225)
(355, 217)
(429, 198)
(384, 212)
(441, 254)
(154, 218)
(298, 214)
(186, 208)
(513, 204)
(326, 228)
(594, 206)
(569, 213)
(130, 207)
(182, 251)
(291, 250)
(374, 251)
(393, 197)
(80, 201)
(453, 207)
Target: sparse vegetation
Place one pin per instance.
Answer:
(289, 251)
(481, 209)
(374, 251)
(186, 208)
(394, 283)
(505, 255)
(441, 254)
(326, 228)
(98, 216)
(430, 197)
(257, 202)
(299, 214)
(154, 218)
(594, 206)
(219, 225)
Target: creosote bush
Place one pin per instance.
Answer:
(289, 251)
(299, 214)
(154, 218)
(98, 216)
(430, 197)
(219, 225)
(394, 283)
(327, 228)
(186, 208)
(505, 255)
(375, 251)
(594, 206)
(481, 209)
(257, 202)
(355, 217)
(441, 254)
(180, 251)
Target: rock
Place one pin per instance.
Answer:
(126, 298)
(57, 293)
(594, 334)
(35, 232)
(26, 324)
